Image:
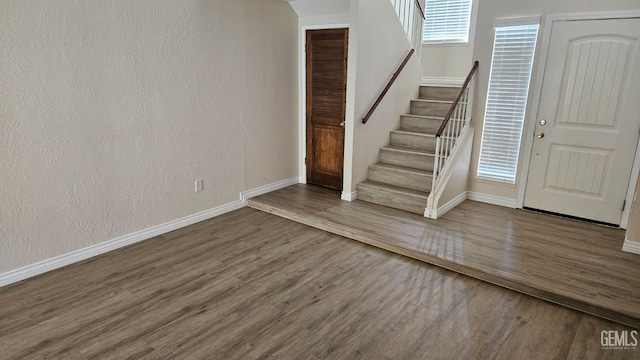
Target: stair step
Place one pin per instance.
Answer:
(420, 123)
(407, 177)
(417, 159)
(393, 196)
(430, 107)
(448, 93)
(413, 140)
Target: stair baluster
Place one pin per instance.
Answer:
(456, 120)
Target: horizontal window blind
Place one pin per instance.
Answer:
(446, 21)
(513, 51)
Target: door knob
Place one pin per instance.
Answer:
(342, 123)
(543, 122)
(540, 135)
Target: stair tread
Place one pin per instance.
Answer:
(408, 150)
(402, 168)
(395, 189)
(434, 101)
(435, 86)
(409, 132)
(441, 118)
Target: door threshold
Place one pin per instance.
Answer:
(601, 223)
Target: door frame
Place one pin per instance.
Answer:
(529, 129)
(302, 96)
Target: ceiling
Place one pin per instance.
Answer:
(319, 7)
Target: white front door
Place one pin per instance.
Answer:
(582, 156)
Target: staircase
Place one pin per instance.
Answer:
(403, 177)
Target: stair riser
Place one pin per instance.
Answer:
(428, 126)
(400, 178)
(413, 141)
(390, 199)
(438, 93)
(429, 108)
(417, 161)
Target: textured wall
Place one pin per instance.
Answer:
(319, 7)
(633, 230)
(381, 46)
(109, 110)
(446, 60)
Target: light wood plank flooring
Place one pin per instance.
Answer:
(576, 264)
(250, 285)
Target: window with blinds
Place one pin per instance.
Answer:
(513, 51)
(446, 21)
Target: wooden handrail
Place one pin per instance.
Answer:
(457, 100)
(386, 88)
(420, 8)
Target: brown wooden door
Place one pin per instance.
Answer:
(326, 98)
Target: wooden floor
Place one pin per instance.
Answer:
(576, 264)
(250, 285)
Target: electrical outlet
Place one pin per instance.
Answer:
(198, 185)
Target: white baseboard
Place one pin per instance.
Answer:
(490, 199)
(451, 204)
(631, 246)
(246, 195)
(44, 266)
(347, 196)
(442, 81)
(436, 213)
(57, 262)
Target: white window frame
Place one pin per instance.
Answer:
(519, 107)
(463, 19)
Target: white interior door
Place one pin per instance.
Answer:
(591, 104)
